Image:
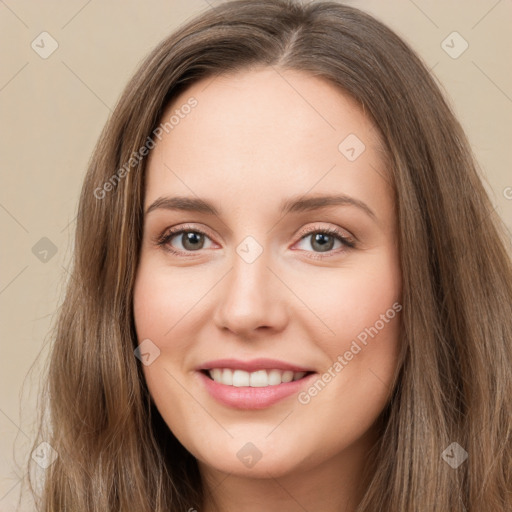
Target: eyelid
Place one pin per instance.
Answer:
(342, 233)
(175, 230)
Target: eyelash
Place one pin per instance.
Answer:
(348, 243)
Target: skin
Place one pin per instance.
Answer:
(256, 138)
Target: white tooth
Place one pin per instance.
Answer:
(240, 378)
(287, 376)
(227, 376)
(274, 377)
(258, 379)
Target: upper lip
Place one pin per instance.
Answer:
(253, 365)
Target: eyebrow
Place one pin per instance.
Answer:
(294, 204)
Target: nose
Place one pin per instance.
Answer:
(251, 299)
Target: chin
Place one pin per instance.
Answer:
(256, 460)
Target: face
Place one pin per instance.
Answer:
(245, 271)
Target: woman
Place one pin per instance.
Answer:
(341, 338)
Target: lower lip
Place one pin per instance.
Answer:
(246, 397)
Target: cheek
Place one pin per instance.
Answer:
(162, 301)
(361, 306)
(160, 305)
(358, 303)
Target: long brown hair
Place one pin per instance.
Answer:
(115, 453)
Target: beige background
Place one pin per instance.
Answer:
(52, 111)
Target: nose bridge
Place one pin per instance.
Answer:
(250, 297)
(250, 274)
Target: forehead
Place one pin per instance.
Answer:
(265, 101)
(266, 130)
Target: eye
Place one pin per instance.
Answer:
(323, 240)
(188, 240)
(184, 240)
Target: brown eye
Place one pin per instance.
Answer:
(191, 240)
(322, 241)
(182, 240)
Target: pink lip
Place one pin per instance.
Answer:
(253, 365)
(246, 397)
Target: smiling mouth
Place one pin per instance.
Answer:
(257, 379)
